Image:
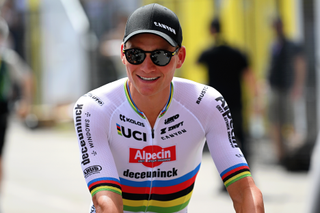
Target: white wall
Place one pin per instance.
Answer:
(65, 74)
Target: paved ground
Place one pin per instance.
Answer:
(42, 175)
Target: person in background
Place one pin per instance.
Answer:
(286, 79)
(16, 82)
(227, 69)
(14, 13)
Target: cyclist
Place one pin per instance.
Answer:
(141, 137)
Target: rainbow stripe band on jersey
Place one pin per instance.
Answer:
(158, 195)
(128, 95)
(104, 184)
(135, 108)
(235, 173)
(168, 103)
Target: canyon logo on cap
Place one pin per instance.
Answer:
(154, 19)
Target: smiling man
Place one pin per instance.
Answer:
(141, 143)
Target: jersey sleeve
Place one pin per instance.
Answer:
(96, 159)
(221, 140)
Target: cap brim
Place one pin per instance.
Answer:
(163, 35)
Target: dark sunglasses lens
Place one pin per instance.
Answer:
(160, 57)
(135, 56)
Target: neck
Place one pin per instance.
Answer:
(218, 41)
(151, 106)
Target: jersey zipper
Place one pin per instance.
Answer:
(151, 183)
(152, 143)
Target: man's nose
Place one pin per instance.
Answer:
(148, 65)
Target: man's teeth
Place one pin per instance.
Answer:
(148, 79)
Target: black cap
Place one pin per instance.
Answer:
(154, 19)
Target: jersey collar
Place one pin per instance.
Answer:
(135, 108)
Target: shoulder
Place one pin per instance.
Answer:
(18, 68)
(9, 55)
(104, 98)
(201, 101)
(205, 55)
(295, 47)
(234, 50)
(12, 58)
(194, 94)
(291, 44)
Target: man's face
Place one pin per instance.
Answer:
(147, 78)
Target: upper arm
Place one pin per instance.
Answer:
(203, 58)
(19, 69)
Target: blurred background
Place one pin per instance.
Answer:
(73, 46)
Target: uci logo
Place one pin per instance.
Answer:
(128, 133)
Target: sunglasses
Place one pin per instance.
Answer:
(136, 56)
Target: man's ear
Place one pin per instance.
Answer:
(122, 56)
(181, 56)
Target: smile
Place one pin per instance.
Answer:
(148, 79)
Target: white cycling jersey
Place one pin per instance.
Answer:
(154, 169)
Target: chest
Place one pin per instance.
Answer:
(176, 139)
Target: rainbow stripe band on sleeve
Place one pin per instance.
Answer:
(235, 173)
(104, 184)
